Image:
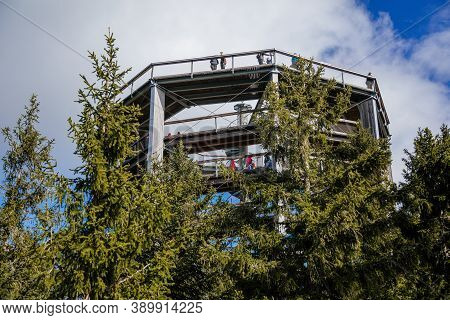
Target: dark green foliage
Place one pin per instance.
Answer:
(126, 234)
(349, 236)
(424, 215)
(167, 228)
(111, 219)
(30, 215)
(187, 200)
(331, 204)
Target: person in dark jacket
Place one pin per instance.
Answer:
(260, 57)
(214, 62)
(268, 162)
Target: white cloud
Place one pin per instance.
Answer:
(433, 54)
(340, 31)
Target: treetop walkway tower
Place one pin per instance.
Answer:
(208, 103)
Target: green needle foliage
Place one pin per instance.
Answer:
(183, 193)
(319, 226)
(30, 215)
(424, 215)
(125, 233)
(103, 240)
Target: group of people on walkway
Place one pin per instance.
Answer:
(215, 62)
(250, 165)
(260, 57)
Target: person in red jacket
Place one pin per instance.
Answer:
(232, 165)
(249, 163)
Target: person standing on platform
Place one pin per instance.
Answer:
(267, 162)
(260, 57)
(233, 165)
(214, 62)
(294, 60)
(223, 61)
(249, 163)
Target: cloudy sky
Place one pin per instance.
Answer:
(413, 67)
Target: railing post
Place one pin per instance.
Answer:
(342, 76)
(192, 69)
(232, 64)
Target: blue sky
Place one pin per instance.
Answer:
(413, 70)
(404, 13)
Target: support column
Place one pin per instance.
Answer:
(279, 219)
(276, 163)
(274, 75)
(368, 115)
(156, 125)
(242, 120)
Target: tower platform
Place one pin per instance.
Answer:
(174, 96)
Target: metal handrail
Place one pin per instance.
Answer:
(273, 52)
(239, 54)
(228, 114)
(220, 159)
(180, 61)
(220, 115)
(325, 65)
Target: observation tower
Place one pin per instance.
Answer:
(209, 103)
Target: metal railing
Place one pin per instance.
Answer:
(273, 61)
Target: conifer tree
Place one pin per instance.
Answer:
(186, 197)
(100, 242)
(319, 225)
(126, 233)
(424, 215)
(31, 214)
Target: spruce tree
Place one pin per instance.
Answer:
(178, 187)
(31, 214)
(100, 242)
(126, 233)
(319, 226)
(424, 215)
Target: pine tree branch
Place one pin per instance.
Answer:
(134, 274)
